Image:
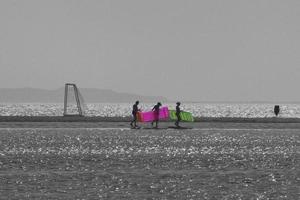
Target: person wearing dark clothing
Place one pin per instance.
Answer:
(178, 114)
(276, 110)
(155, 109)
(135, 110)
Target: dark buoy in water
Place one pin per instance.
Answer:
(276, 110)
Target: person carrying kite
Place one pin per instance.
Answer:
(135, 110)
(155, 109)
(178, 114)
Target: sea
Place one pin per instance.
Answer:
(245, 110)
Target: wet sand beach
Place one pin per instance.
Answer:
(123, 122)
(162, 125)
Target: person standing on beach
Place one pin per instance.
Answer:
(276, 110)
(178, 114)
(155, 109)
(135, 110)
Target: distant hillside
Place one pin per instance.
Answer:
(33, 95)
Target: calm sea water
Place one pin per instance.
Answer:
(162, 164)
(124, 109)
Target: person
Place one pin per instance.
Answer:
(178, 114)
(135, 110)
(276, 110)
(155, 109)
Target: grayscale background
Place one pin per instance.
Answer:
(190, 50)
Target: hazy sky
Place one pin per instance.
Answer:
(233, 50)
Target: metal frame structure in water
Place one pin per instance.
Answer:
(67, 85)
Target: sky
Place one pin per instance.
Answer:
(192, 50)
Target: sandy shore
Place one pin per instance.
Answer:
(123, 122)
(228, 161)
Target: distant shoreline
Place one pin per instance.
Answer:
(127, 119)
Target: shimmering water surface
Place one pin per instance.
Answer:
(149, 164)
(124, 109)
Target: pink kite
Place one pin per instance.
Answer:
(149, 116)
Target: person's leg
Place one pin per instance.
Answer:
(131, 123)
(156, 124)
(155, 120)
(177, 121)
(135, 120)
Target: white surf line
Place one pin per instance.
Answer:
(167, 129)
